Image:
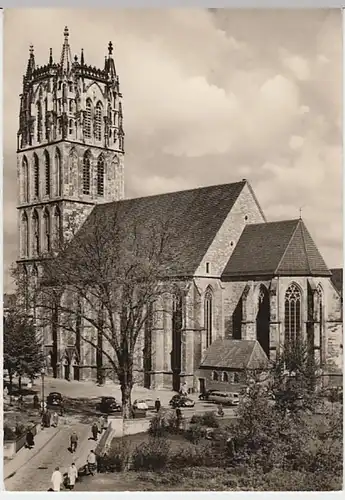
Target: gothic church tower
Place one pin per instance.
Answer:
(70, 149)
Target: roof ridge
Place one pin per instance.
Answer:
(251, 354)
(287, 246)
(272, 222)
(173, 192)
(304, 245)
(256, 200)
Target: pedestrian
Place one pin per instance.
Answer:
(94, 430)
(35, 402)
(101, 424)
(56, 479)
(91, 462)
(72, 475)
(55, 419)
(73, 442)
(220, 410)
(157, 405)
(30, 443)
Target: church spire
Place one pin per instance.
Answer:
(66, 57)
(50, 56)
(110, 64)
(31, 62)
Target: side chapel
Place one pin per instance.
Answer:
(247, 281)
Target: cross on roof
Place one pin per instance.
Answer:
(110, 48)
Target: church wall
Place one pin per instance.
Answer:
(245, 211)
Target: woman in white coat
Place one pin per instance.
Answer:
(72, 475)
(57, 479)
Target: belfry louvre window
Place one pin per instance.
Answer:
(36, 176)
(292, 314)
(87, 119)
(46, 220)
(100, 176)
(36, 233)
(39, 121)
(25, 180)
(98, 122)
(25, 235)
(47, 170)
(86, 173)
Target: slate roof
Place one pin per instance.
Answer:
(282, 248)
(193, 219)
(235, 354)
(337, 279)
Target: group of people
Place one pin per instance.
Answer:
(49, 419)
(58, 479)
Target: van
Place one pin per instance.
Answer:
(224, 398)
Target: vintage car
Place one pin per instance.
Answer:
(179, 401)
(54, 400)
(224, 398)
(204, 396)
(108, 404)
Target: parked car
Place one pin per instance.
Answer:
(179, 401)
(108, 404)
(224, 398)
(204, 396)
(54, 400)
(140, 404)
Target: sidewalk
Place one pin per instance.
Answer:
(24, 455)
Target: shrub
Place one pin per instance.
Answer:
(194, 456)
(117, 458)
(195, 433)
(151, 456)
(9, 433)
(163, 423)
(207, 419)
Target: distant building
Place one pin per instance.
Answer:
(246, 280)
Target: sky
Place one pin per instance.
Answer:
(209, 97)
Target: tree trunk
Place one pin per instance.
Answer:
(20, 383)
(126, 391)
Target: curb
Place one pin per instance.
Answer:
(10, 475)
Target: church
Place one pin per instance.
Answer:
(246, 281)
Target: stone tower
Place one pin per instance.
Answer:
(70, 148)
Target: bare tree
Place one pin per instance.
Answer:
(110, 278)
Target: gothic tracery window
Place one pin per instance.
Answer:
(25, 180)
(36, 176)
(58, 176)
(47, 172)
(36, 233)
(292, 314)
(87, 119)
(46, 220)
(25, 235)
(57, 226)
(208, 316)
(86, 173)
(100, 176)
(98, 122)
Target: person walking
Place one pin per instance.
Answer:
(91, 463)
(56, 479)
(94, 431)
(35, 402)
(72, 475)
(157, 405)
(30, 443)
(55, 419)
(101, 424)
(73, 442)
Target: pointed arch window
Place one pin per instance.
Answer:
(58, 173)
(36, 176)
(100, 176)
(70, 127)
(39, 121)
(36, 233)
(25, 235)
(25, 168)
(57, 227)
(98, 122)
(86, 173)
(25, 287)
(35, 285)
(47, 172)
(46, 223)
(87, 119)
(293, 320)
(208, 308)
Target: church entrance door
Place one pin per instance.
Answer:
(263, 321)
(147, 380)
(66, 371)
(76, 372)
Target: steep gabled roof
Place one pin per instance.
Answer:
(282, 248)
(193, 218)
(234, 354)
(337, 279)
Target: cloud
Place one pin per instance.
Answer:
(208, 98)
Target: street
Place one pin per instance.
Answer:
(51, 449)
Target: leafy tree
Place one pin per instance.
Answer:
(23, 353)
(110, 279)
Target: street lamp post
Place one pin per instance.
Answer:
(42, 375)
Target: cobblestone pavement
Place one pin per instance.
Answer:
(35, 474)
